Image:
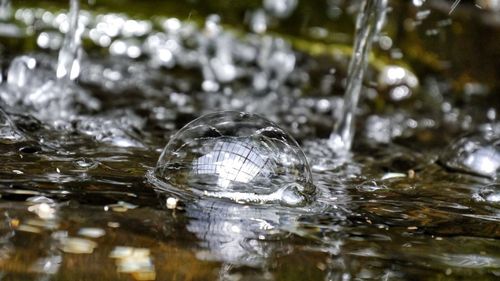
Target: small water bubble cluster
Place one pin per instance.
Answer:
(237, 156)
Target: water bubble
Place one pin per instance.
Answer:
(84, 163)
(237, 156)
(475, 154)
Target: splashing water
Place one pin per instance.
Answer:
(359, 223)
(69, 56)
(369, 23)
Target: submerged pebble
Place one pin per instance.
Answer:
(136, 261)
(237, 156)
(77, 245)
(91, 232)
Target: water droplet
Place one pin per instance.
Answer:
(393, 75)
(172, 24)
(85, 163)
(19, 69)
(258, 22)
(49, 40)
(280, 8)
(237, 156)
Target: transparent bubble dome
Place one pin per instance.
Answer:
(238, 156)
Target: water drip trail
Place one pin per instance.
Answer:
(68, 65)
(369, 23)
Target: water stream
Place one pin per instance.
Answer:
(5, 9)
(68, 64)
(369, 23)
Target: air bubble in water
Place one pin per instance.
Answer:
(237, 156)
(476, 154)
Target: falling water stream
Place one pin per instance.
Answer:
(68, 64)
(114, 165)
(369, 22)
